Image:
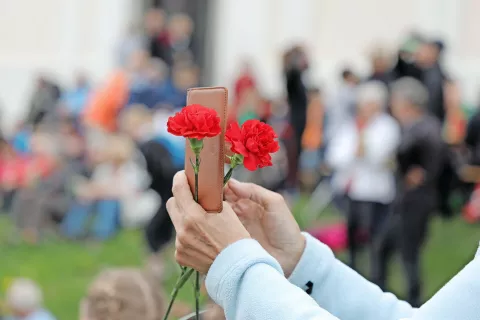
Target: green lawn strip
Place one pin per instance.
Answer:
(64, 269)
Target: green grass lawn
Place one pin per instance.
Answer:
(64, 269)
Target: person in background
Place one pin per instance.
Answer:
(244, 81)
(427, 58)
(164, 155)
(381, 66)
(21, 138)
(180, 30)
(43, 103)
(157, 73)
(406, 66)
(185, 75)
(127, 204)
(138, 71)
(295, 66)
(25, 299)
(312, 139)
(362, 153)
(10, 162)
(150, 93)
(107, 100)
(250, 106)
(123, 294)
(341, 107)
(419, 160)
(157, 35)
(472, 140)
(75, 100)
(39, 191)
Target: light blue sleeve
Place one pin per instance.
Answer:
(342, 291)
(249, 284)
(458, 299)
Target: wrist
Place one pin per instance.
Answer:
(294, 256)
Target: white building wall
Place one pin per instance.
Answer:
(338, 33)
(62, 36)
(56, 37)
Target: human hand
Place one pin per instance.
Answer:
(415, 177)
(201, 236)
(268, 219)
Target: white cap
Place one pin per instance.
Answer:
(24, 295)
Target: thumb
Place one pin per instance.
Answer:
(254, 192)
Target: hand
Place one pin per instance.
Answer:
(415, 177)
(201, 236)
(268, 219)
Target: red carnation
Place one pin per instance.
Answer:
(255, 141)
(195, 122)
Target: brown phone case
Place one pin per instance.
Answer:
(210, 177)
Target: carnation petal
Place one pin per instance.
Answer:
(250, 162)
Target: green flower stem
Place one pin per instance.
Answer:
(196, 170)
(197, 295)
(197, 274)
(180, 282)
(228, 176)
(235, 160)
(197, 146)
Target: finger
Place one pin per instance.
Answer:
(229, 195)
(174, 213)
(181, 191)
(201, 247)
(254, 192)
(247, 209)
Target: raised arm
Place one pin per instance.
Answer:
(242, 277)
(248, 283)
(342, 291)
(309, 264)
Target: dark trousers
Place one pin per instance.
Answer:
(159, 230)
(295, 150)
(364, 221)
(446, 184)
(405, 230)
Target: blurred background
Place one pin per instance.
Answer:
(86, 88)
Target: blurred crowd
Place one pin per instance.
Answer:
(394, 147)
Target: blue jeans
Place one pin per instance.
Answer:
(100, 218)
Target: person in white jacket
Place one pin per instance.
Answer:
(362, 155)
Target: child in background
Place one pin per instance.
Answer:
(123, 294)
(24, 300)
(116, 194)
(185, 75)
(36, 183)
